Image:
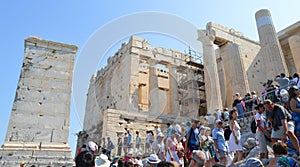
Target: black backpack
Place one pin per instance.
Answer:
(253, 126)
(227, 133)
(223, 116)
(85, 159)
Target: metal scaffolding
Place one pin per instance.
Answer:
(192, 86)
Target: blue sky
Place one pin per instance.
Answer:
(74, 22)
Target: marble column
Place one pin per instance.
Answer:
(173, 91)
(212, 83)
(153, 88)
(270, 46)
(294, 42)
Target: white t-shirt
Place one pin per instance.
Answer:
(148, 136)
(295, 81)
(210, 119)
(260, 117)
(218, 115)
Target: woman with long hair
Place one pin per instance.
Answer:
(235, 144)
(172, 144)
(294, 103)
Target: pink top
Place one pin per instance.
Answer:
(173, 143)
(128, 159)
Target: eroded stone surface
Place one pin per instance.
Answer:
(39, 123)
(146, 81)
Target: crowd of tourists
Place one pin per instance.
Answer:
(276, 123)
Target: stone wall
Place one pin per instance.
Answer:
(289, 39)
(256, 59)
(234, 58)
(115, 121)
(141, 79)
(40, 117)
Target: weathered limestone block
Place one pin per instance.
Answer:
(153, 88)
(271, 49)
(236, 77)
(39, 123)
(294, 42)
(43, 106)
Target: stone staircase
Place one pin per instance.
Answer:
(38, 158)
(55, 155)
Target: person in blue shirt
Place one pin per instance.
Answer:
(129, 139)
(282, 80)
(170, 128)
(192, 137)
(110, 146)
(220, 145)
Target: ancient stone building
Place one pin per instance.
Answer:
(235, 54)
(289, 39)
(142, 86)
(38, 129)
(146, 85)
(244, 64)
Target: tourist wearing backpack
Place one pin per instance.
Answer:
(192, 140)
(110, 146)
(282, 124)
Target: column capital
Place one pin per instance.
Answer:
(206, 37)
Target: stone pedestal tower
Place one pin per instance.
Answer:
(38, 129)
(270, 46)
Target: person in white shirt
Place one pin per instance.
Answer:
(296, 80)
(158, 130)
(149, 140)
(209, 118)
(139, 159)
(158, 147)
(261, 131)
